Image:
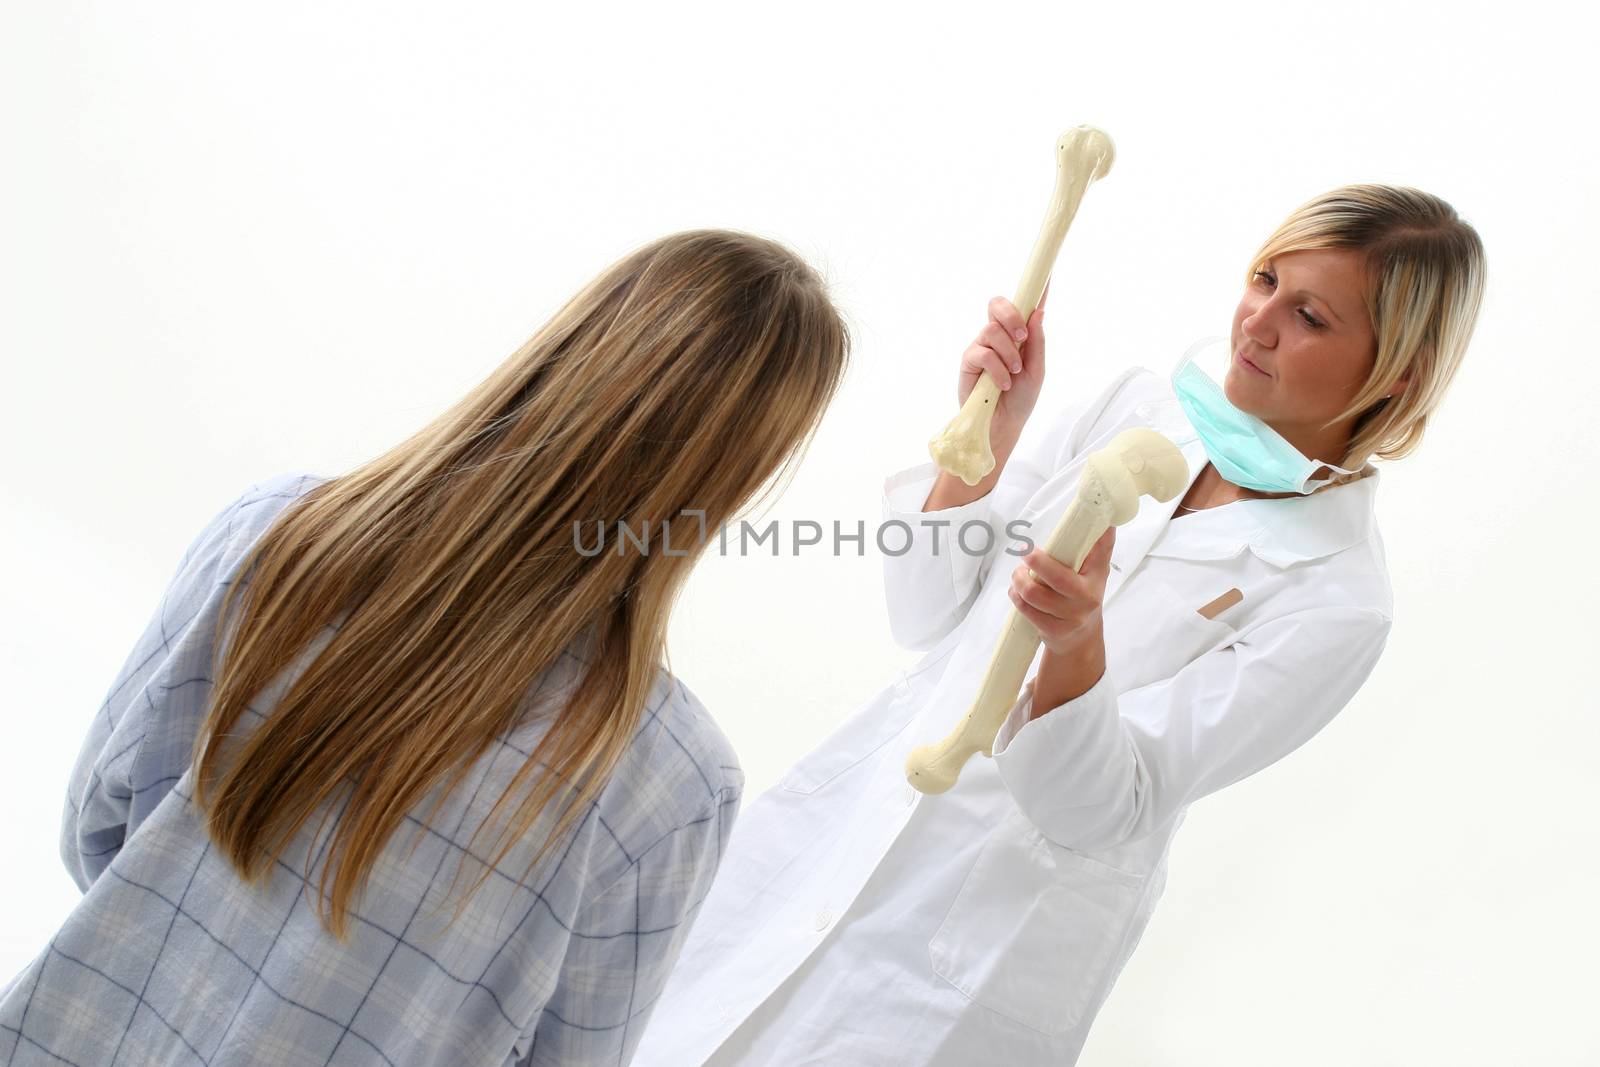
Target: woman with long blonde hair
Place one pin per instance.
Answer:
(428, 653)
(858, 921)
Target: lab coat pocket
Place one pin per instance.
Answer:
(1154, 630)
(1034, 928)
(1195, 634)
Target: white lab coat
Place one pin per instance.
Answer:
(855, 921)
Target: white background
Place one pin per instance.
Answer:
(240, 240)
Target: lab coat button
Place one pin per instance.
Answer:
(824, 917)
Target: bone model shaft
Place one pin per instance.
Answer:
(1083, 154)
(935, 769)
(1137, 461)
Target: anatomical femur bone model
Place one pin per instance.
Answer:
(1083, 154)
(1137, 461)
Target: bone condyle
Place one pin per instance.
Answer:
(1083, 154)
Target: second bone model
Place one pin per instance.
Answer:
(1083, 154)
(1138, 461)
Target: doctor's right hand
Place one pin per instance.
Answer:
(1016, 365)
(997, 350)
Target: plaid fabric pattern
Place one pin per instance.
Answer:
(170, 958)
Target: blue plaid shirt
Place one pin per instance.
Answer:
(170, 958)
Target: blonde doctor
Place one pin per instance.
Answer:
(855, 921)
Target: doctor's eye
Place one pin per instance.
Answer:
(1310, 319)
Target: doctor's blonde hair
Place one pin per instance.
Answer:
(688, 375)
(1425, 276)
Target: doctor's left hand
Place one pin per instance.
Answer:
(1063, 604)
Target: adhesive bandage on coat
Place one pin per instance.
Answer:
(1138, 461)
(1083, 154)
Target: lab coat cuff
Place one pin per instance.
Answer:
(938, 532)
(1097, 697)
(1052, 764)
(905, 491)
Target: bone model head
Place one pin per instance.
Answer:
(1137, 462)
(1083, 154)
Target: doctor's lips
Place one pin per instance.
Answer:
(1240, 357)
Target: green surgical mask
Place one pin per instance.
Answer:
(1245, 450)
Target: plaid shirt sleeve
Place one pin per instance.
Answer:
(627, 939)
(102, 807)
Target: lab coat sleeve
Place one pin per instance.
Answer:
(1104, 769)
(106, 797)
(934, 562)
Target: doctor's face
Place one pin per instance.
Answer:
(1302, 322)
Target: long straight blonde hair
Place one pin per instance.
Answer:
(1424, 276)
(682, 379)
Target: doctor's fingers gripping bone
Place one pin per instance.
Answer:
(1137, 462)
(1006, 345)
(1057, 601)
(1017, 367)
(1083, 154)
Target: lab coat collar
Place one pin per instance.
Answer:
(1281, 531)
